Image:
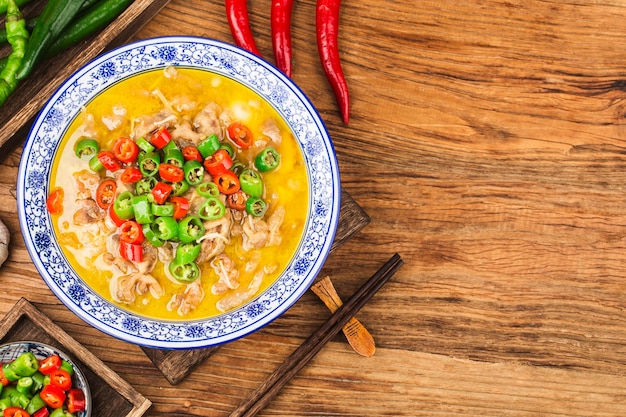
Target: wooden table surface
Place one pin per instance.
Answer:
(487, 145)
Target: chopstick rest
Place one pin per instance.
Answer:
(357, 335)
(310, 347)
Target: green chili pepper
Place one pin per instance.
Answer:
(38, 378)
(123, 205)
(166, 228)
(86, 148)
(149, 164)
(161, 210)
(256, 206)
(267, 160)
(151, 234)
(187, 252)
(67, 366)
(237, 168)
(190, 228)
(145, 185)
(144, 145)
(173, 156)
(17, 35)
(9, 373)
(20, 400)
(194, 172)
(26, 364)
(4, 4)
(142, 209)
(208, 189)
(9, 392)
(54, 18)
(185, 273)
(208, 146)
(6, 401)
(169, 146)
(24, 385)
(95, 165)
(212, 209)
(61, 412)
(93, 20)
(228, 148)
(179, 188)
(36, 403)
(251, 183)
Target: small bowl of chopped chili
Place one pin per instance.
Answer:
(39, 380)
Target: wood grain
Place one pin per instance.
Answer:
(486, 143)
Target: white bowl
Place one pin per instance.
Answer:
(10, 351)
(194, 52)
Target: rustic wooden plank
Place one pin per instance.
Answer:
(19, 110)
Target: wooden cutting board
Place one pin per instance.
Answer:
(18, 112)
(175, 365)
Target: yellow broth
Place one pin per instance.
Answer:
(287, 186)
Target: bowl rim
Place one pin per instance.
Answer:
(137, 329)
(78, 372)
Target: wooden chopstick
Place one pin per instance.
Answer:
(256, 401)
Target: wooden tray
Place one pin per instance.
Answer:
(17, 114)
(111, 395)
(175, 365)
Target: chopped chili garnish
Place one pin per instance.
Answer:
(105, 194)
(54, 202)
(125, 150)
(181, 207)
(109, 161)
(219, 162)
(131, 232)
(240, 134)
(190, 152)
(227, 182)
(161, 137)
(171, 173)
(131, 175)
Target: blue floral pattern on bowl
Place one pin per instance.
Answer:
(193, 52)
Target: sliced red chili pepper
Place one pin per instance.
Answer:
(131, 251)
(54, 202)
(161, 191)
(105, 193)
(113, 215)
(171, 173)
(327, 33)
(239, 23)
(15, 412)
(161, 137)
(219, 162)
(181, 207)
(240, 134)
(76, 400)
(227, 182)
(131, 232)
(190, 152)
(125, 150)
(53, 396)
(281, 34)
(109, 161)
(49, 364)
(61, 378)
(131, 175)
(42, 412)
(237, 201)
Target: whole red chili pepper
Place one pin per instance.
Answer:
(327, 31)
(239, 22)
(281, 34)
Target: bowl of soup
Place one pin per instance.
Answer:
(178, 192)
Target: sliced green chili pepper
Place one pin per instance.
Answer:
(145, 185)
(25, 365)
(38, 378)
(208, 189)
(166, 209)
(68, 367)
(166, 228)
(149, 233)
(9, 373)
(208, 146)
(237, 168)
(173, 156)
(251, 183)
(60, 412)
(123, 205)
(20, 400)
(194, 172)
(228, 148)
(142, 209)
(267, 160)
(256, 206)
(185, 273)
(95, 165)
(187, 252)
(5, 402)
(24, 384)
(36, 403)
(179, 188)
(190, 228)
(87, 148)
(212, 209)
(170, 145)
(149, 164)
(144, 145)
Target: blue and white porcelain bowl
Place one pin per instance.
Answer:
(10, 351)
(200, 53)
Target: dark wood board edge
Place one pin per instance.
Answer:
(23, 307)
(175, 365)
(22, 107)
